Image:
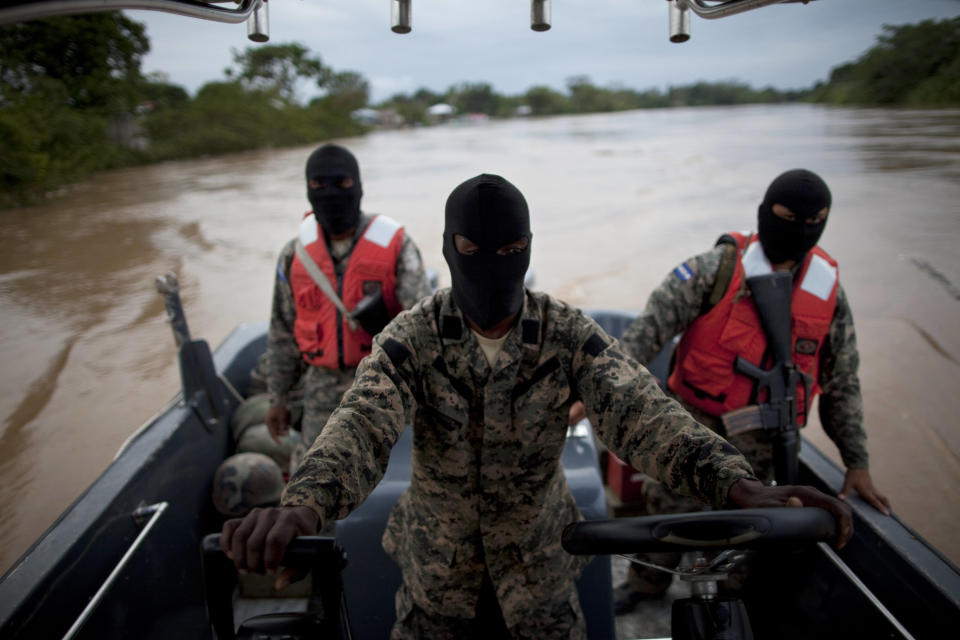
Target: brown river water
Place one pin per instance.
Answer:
(617, 200)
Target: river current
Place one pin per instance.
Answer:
(617, 200)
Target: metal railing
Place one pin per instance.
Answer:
(153, 511)
(253, 11)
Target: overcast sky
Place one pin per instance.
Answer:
(614, 42)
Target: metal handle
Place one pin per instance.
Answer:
(154, 511)
(400, 16)
(679, 21)
(258, 24)
(540, 17)
(203, 10)
(728, 8)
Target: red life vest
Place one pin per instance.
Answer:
(372, 265)
(704, 373)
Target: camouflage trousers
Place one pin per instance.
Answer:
(557, 621)
(322, 391)
(756, 447)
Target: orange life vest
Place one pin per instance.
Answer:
(704, 373)
(323, 334)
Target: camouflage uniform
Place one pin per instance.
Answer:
(487, 489)
(323, 387)
(671, 308)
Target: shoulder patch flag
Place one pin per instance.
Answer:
(684, 272)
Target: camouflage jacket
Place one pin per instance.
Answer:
(487, 486)
(284, 362)
(683, 296)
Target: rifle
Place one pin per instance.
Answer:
(771, 294)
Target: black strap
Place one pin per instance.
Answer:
(594, 345)
(728, 266)
(530, 331)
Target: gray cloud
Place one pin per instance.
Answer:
(612, 41)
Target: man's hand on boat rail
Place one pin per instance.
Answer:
(753, 494)
(278, 421)
(859, 480)
(256, 543)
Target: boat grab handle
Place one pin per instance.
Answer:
(152, 510)
(205, 10)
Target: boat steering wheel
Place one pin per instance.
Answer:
(704, 616)
(703, 530)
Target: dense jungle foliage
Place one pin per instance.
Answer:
(912, 65)
(73, 98)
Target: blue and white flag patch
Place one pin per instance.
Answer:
(684, 272)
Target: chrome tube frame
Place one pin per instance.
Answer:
(258, 24)
(540, 15)
(192, 8)
(400, 16)
(154, 511)
(728, 8)
(679, 21)
(874, 600)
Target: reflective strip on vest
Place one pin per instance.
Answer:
(755, 261)
(309, 231)
(381, 230)
(820, 278)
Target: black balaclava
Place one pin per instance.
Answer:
(492, 213)
(336, 209)
(805, 194)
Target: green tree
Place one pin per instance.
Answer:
(158, 93)
(278, 68)
(426, 97)
(905, 56)
(347, 91)
(475, 98)
(64, 83)
(587, 98)
(545, 101)
(95, 57)
(911, 64)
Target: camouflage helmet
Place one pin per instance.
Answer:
(253, 411)
(257, 439)
(244, 481)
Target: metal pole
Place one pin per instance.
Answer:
(154, 511)
(258, 24)
(203, 10)
(400, 16)
(679, 21)
(728, 8)
(540, 15)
